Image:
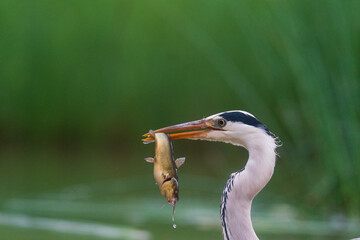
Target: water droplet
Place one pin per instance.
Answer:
(173, 213)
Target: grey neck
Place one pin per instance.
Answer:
(241, 189)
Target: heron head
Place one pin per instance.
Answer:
(235, 127)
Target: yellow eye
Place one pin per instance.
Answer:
(221, 122)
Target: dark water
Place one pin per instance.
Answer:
(43, 198)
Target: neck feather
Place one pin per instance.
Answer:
(243, 186)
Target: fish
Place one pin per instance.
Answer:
(165, 167)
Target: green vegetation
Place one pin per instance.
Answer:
(81, 81)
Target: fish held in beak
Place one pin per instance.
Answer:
(165, 167)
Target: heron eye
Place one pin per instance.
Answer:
(221, 122)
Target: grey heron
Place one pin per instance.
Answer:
(239, 128)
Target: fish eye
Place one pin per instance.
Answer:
(221, 122)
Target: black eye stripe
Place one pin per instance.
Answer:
(241, 117)
(246, 119)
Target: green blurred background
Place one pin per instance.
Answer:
(81, 81)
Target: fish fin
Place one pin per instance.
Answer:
(150, 159)
(179, 162)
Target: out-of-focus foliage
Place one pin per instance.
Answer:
(80, 73)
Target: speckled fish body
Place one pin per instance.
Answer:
(165, 168)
